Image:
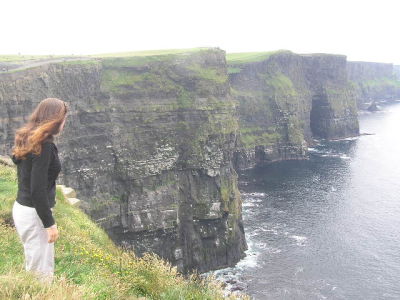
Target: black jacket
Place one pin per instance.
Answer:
(36, 181)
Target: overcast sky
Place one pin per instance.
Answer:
(362, 30)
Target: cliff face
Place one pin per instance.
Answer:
(285, 100)
(148, 146)
(373, 81)
(152, 141)
(333, 108)
(396, 69)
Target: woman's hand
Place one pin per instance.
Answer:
(52, 233)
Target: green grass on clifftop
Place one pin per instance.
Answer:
(247, 57)
(11, 58)
(19, 58)
(162, 52)
(149, 52)
(88, 264)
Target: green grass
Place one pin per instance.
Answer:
(265, 138)
(208, 73)
(21, 58)
(254, 136)
(81, 62)
(16, 58)
(247, 57)
(384, 81)
(120, 80)
(11, 58)
(136, 55)
(155, 74)
(149, 52)
(132, 61)
(23, 285)
(234, 70)
(113, 79)
(281, 84)
(88, 264)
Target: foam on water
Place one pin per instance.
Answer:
(253, 194)
(249, 204)
(300, 240)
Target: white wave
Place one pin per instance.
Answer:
(274, 231)
(253, 194)
(249, 261)
(249, 204)
(317, 151)
(299, 270)
(252, 233)
(339, 155)
(252, 197)
(352, 138)
(329, 155)
(261, 245)
(300, 240)
(256, 200)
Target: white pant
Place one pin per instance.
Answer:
(39, 253)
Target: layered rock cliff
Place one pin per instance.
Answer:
(286, 100)
(148, 146)
(373, 81)
(152, 142)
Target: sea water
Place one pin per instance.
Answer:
(327, 227)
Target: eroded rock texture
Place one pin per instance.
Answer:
(152, 142)
(286, 100)
(148, 146)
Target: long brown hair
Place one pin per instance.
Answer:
(44, 122)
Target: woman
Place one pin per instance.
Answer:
(38, 165)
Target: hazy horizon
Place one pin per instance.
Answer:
(359, 30)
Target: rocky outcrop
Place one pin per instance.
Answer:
(69, 195)
(286, 100)
(373, 81)
(148, 147)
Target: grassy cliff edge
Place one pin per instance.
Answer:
(88, 264)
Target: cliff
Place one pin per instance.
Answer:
(153, 139)
(286, 100)
(373, 81)
(148, 146)
(396, 69)
(88, 264)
